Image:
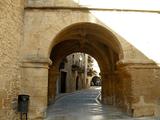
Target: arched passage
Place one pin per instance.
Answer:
(96, 41)
(84, 31)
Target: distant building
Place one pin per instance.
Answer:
(75, 73)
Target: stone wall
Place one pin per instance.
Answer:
(35, 84)
(145, 88)
(11, 22)
(136, 32)
(137, 84)
(39, 29)
(139, 88)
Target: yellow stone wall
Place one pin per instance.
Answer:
(11, 35)
(138, 43)
(137, 76)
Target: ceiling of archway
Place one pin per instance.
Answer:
(89, 39)
(96, 49)
(88, 31)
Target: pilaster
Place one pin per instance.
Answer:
(52, 82)
(35, 84)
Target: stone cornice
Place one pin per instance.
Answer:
(36, 62)
(89, 8)
(138, 64)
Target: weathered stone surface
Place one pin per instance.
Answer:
(35, 77)
(53, 3)
(11, 30)
(136, 86)
(143, 92)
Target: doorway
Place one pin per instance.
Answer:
(63, 82)
(77, 82)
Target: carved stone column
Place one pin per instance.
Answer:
(52, 82)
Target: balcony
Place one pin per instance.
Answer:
(75, 67)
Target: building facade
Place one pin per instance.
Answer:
(72, 76)
(35, 36)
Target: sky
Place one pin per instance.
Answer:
(96, 67)
(122, 4)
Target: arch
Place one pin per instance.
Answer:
(102, 43)
(100, 32)
(58, 53)
(94, 40)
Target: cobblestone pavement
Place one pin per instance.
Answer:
(83, 105)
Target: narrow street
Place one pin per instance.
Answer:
(83, 105)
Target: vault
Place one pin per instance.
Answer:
(89, 38)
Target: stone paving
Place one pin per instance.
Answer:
(83, 105)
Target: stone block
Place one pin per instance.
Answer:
(35, 91)
(34, 82)
(143, 111)
(37, 113)
(38, 101)
(3, 93)
(157, 111)
(1, 103)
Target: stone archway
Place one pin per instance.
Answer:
(98, 42)
(45, 28)
(86, 37)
